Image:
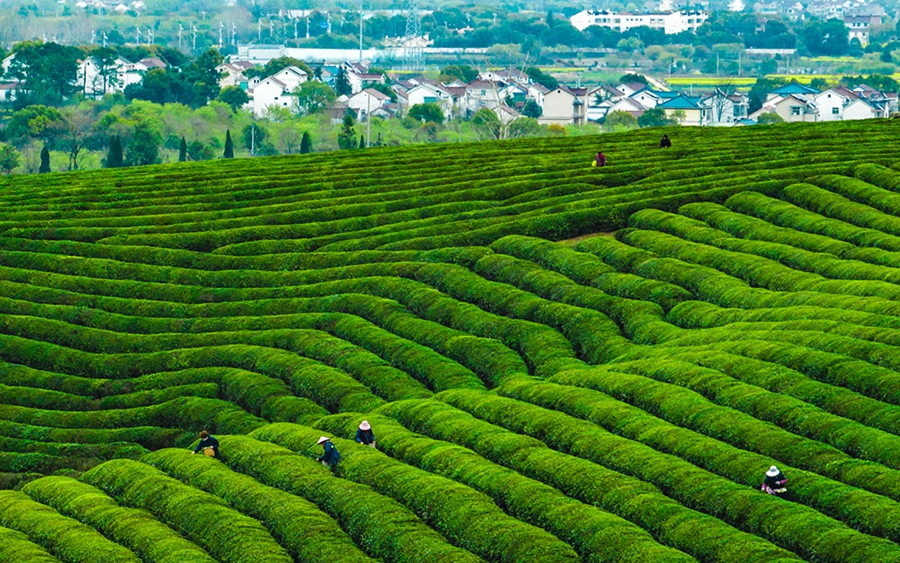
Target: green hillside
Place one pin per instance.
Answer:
(560, 363)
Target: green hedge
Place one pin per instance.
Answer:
(383, 527)
(200, 517)
(15, 547)
(466, 517)
(809, 533)
(65, 538)
(595, 534)
(305, 531)
(138, 530)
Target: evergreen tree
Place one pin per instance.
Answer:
(362, 141)
(182, 151)
(305, 143)
(115, 158)
(342, 83)
(45, 161)
(347, 135)
(229, 145)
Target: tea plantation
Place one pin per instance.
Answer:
(560, 363)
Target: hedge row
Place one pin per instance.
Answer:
(65, 538)
(595, 534)
(138, 530)
(186, 412)
(201, 517)
(466, 517)
(671, 523)
(15, 547)
(689, 410)
(794, 527)
(815, 262)
(781, 409)
(787, 215)
(383, 527)
(588, 270)
(305, 531)
(327, 387)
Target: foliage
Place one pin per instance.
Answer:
(145, 143)
(45, 160)
(342, 83)
(9, 159)
(427, 112)
(618, 120)
(182, 150)
(306, 143)
(313, 96)
(347, 135)
(541, 78)
(36, 122)
(234, 96)
(655, 117)
(229, 145)
(769, 118)
(115, 157)
(532, 109)
(46, 73)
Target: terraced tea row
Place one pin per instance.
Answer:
(612, 398)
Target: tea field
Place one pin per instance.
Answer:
(560, 363)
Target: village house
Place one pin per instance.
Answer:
(564, 106)
(365, 102)
(430, 93)
(686, 110)
(233, 74)
(277, 91)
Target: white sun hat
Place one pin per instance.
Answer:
(322, 440)
(772, 472)
(365, 425)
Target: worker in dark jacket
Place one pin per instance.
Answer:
(330, 455)
(775, 482)
(600, 159)
(665, 143)
(364, 434)
(207, 441)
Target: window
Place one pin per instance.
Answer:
(796, 110)
(835, 111)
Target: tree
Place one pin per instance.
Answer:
(761, 87)
(342, 83)
(828, 39)
(654, 117)
(313, 96)
(182, 150)
(819, 84)
(347, 135)
(229, 145)
(632, 78)
(362, 141)
(9, 159)
(234, 96)
(253, 137)
(36, 122)
(463, 73)
(114, 158)
(79, 133)
(427, 112)
(46, 72)
(539, 76)
(769, 118)
(203, 78)
(145, 142)
(107, 71)
(618, 120)
(305, 143)
(45, 161)
(487, 124)
(532, 109)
